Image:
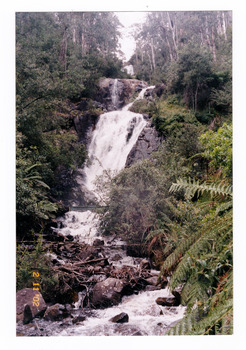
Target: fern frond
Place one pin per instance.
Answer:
(201, 243)
(224, 207)
(191, 187)
(155, 233)
(174, 258)
(219, 321)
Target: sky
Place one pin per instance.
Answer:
(127, 41)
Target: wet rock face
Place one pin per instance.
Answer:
(84, 125)
(26, 308)
(148, 142)
(123, 88)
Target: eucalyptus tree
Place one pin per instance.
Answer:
(164, 34)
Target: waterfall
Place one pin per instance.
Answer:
(115, 135)
(114, 94)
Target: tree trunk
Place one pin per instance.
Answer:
(202, 40)
(213, 45)
(219, 27)
(172, 27)
(150, 62)
(63, 50)
(152, 53)
(224, 25)
(74, 35)
(165, 37)
(207, 34)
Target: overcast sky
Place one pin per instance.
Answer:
(127, 41)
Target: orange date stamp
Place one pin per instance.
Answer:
(35, 286)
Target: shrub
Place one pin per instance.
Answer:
(35, 259)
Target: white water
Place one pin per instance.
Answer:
(110, 146)
(115, 134)
(145, 316)
(114, 94)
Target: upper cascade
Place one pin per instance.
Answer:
(114, 93)
(115, 135)
(110, 140)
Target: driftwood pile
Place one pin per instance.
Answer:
(80, 267)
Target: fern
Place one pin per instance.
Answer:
(192, 187)
(201, 243)
(203, 264)
(218, 321)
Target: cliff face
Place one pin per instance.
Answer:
(148, 142)
(115, 93)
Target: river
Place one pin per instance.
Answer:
(113, 138)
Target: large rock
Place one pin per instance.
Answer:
(29, 304)
(147, 143)
(107, 293)
(84, 125)
(121, 318)
(168, 301)
(55, 313)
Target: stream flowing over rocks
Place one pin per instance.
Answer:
(105, 291)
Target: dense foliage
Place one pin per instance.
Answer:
(59, 58)
(178, 202)
(36, 256)
(187, 219)
(190, 52)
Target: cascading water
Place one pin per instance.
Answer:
(115, 134)
(114, 94)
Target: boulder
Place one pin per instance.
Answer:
(168, 301)
(35, 307)
(27, 317)
(121, 318)
(107, 293)
(55, 313)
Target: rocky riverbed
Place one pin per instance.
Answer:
(102, 291)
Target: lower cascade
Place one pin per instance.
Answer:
(113, 138)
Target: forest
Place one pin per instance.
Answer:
(176, 205)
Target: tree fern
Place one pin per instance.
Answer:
(192, 187)
(218, 321)
(201, 243)
(203, 264)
